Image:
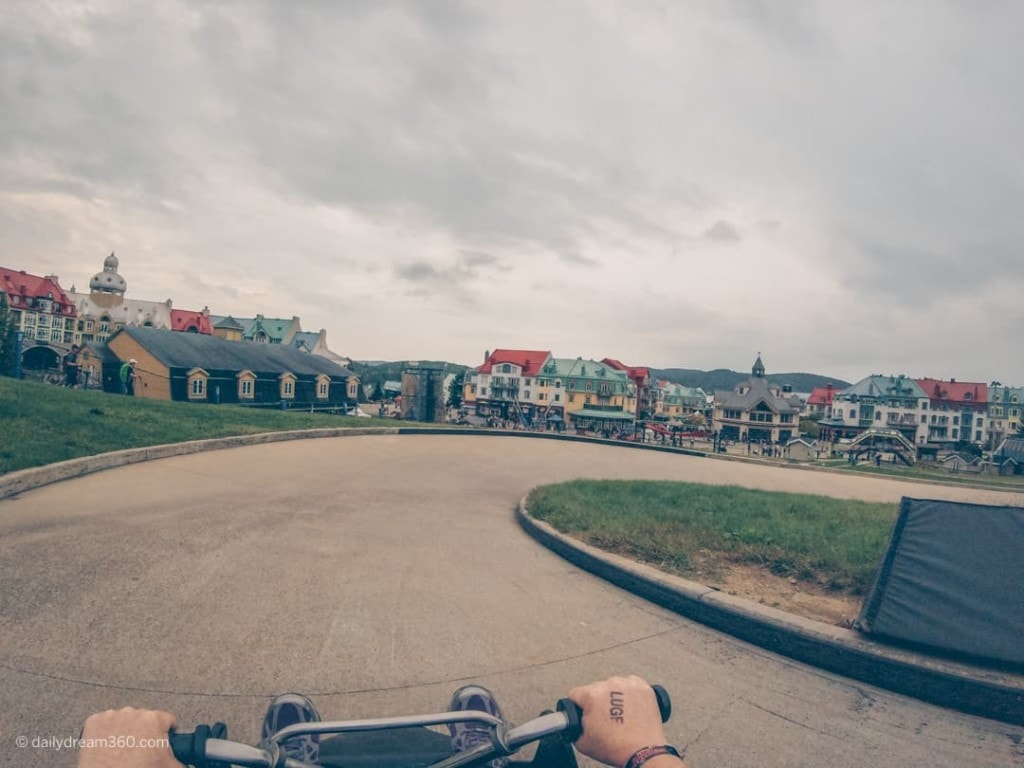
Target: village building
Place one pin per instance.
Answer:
(958, 410)
(1008, 458)
(193, 367)
(45, 315)
(187, 321)
(1004, 413)
(105, 308)
(261, 329)
(675, 402)
(509, 385)
(757, 411)
(227, 328)
(818, 404)
(598, 397)
(646, 391)
(894, 403)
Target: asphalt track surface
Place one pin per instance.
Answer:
(378, 574)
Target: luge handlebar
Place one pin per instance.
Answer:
(207, 747)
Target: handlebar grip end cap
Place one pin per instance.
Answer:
(574, 719)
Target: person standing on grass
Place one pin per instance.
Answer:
(71, 367)
(128, 378)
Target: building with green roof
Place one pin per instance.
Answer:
(879, 402)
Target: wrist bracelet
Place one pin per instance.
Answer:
(644, 754)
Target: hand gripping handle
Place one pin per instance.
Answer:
(574, 715)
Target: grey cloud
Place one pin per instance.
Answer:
(417, 271)
(919, 278)
(722, 232)
(578, 259)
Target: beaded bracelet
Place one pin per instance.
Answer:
(644, 754)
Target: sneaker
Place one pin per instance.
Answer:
(289, 709)
(467, 735)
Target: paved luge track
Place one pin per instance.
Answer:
(378, 573)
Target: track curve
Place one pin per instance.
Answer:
(380, 572)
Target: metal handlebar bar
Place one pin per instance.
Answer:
(206, 747)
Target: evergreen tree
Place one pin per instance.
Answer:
(8, 332)
(455, 393)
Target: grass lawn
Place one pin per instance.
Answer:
(41, 423)
(680, 527)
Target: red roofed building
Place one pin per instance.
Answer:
(959, 410)
(647, 396)
(187, 321)
(819, 403)
(44, 313)
(507, 385)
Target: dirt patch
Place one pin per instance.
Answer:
(758, 584)
(787, 594)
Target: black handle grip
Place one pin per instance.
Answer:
(190, 748)
(664, 702)
(574, 714)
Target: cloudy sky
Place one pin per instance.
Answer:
(837, 185)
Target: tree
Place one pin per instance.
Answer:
(455, 393)
(378, 393)
(811, 428)
(8, 334)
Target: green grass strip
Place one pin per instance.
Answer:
(41, 424)
(837, 543)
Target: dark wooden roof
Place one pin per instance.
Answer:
(194, 350)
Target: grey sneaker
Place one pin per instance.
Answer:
(289, 709)
(469, 734)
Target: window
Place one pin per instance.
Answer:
(246, 385)
(288, 386)
(572, 398)
(878, 415)
(197, 388)
(353, 389)
(526, 382)
(506, 368)
(557, 397)
(853, 413)
(323, 387)
(542, 396)
(978, 424)
(924, 419)
(590, 386)
(572, 385)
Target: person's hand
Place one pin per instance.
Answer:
(620, 716)
(127, 738)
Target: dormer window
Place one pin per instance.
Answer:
(197, 384)
(288, 386)
(246, 385)
(323, 386)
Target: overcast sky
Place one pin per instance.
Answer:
(837, 185)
